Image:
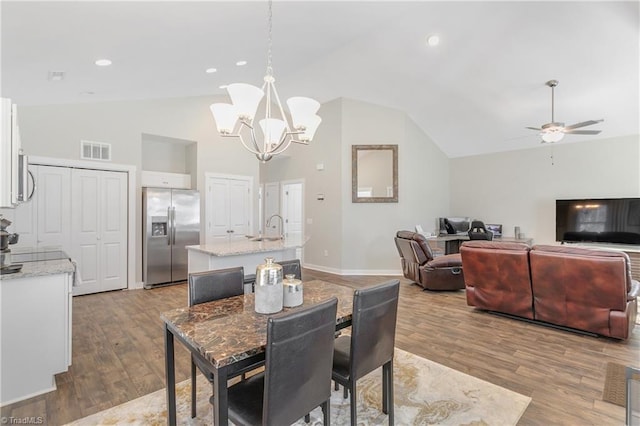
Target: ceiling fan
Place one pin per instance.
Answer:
(555, 131)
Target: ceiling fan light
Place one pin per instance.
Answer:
(551, 137)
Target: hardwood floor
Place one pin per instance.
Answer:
(118, 354)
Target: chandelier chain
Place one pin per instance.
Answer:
(269, 67)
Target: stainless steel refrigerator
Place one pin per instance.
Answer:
(171, 221)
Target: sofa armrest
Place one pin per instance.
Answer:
(446, 261)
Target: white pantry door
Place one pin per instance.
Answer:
(227, 208)
(99, 229)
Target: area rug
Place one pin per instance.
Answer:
(425, 393)
(615, 384)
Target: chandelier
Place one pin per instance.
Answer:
(277, 133)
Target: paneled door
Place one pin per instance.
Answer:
(227, 208)
(271, 207)
(292, 208)
(99, 229)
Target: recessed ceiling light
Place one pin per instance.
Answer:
(210, 70)
(241, 63)
(103, 62)
(223, 86)
(433, 40)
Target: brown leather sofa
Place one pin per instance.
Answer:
(583, 289)
(420, 265)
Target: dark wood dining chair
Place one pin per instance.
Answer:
(205, 287)
(371, 344)
(297, 376)
(291, 267)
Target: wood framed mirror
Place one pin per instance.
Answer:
(374, 173)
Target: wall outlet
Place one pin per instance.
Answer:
(326, 253)
(309, 221)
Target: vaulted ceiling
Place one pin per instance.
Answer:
(473, 93)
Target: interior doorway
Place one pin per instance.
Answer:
(293, 207)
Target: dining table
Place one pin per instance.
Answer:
(231, 336)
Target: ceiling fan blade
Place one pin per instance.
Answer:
(583, 132)
(583, 124)
(533, 128)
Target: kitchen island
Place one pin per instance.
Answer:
(35, 325)
(242, 252)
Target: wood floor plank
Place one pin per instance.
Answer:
(118, 353)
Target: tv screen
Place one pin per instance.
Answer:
(608, 220)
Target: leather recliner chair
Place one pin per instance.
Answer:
(420, 265)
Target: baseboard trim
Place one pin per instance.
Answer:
(138, 285)
(31, 395)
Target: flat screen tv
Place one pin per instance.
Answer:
(605, 220)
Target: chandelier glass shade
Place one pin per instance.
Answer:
(276, 132)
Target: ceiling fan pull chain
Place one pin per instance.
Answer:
(553, 88)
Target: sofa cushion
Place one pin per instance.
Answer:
(582, 288)
(497, 276)
(580, 251)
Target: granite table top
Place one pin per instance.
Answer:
(246, 246)
(229, 330)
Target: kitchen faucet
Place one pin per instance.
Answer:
(281, 224)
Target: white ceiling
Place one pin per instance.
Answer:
(472, 94)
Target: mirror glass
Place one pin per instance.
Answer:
(374, 173)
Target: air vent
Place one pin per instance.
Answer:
(56, 75)
(95, 151)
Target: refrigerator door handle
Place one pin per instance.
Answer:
(170, 224)
(173, 225)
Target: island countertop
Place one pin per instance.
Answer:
(36, 263)
(246, 246)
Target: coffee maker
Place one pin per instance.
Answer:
(6, 239)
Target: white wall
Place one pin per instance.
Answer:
(358, 237)
(520, 187)
(300, 163)
(56, 131)
(423, 187)
(162, 154)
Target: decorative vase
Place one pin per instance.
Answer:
(292, 288)
(269, 293)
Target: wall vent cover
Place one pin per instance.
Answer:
(90, 150)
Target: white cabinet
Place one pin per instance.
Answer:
(228, 208)
(45, 220)
(35, 330)
(9, 154)
(99, 229)
(165, 180)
